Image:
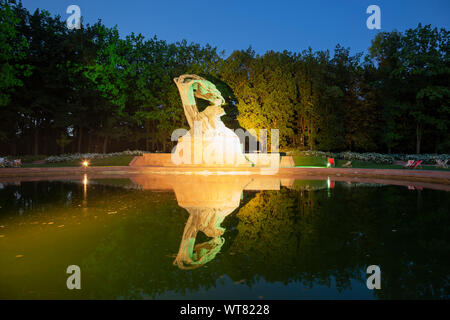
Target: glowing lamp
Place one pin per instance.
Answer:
(85, 163)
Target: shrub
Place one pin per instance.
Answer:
(311, 153)
(426, 158)
(347, 155)
(368, 157)
(31, 158)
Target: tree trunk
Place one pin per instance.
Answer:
(147, 135)
(303, 134)
(152, 141)
(44, 145)
(436, 147)
(105, 144)
(418, 137)
(89, 141)
(36, 142)
(80, 138)
(14, 148)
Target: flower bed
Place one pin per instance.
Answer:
(367, 157)
(372, 156)
(426, 158)
(88, 156)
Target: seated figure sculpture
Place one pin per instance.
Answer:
(209, 141)
(208, 220)
(219, 197)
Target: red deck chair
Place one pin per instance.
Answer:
(409, 164)
(330, 162)
(417, 164)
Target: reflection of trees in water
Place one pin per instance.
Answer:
(38, 196)
(289, 237)
(136, 259)
(284, 236)
(307, 237)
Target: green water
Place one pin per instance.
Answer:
(307, 242)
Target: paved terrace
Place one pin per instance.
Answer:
(406, 177)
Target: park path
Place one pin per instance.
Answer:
(18, 174)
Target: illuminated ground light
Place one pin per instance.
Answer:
(85, 163)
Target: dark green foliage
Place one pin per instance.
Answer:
(89, 90)
(412, 85)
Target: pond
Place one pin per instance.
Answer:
(228, 237)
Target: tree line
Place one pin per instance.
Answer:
(90, 90)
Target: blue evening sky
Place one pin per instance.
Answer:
(265, 25)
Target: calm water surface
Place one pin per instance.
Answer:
(222, 239)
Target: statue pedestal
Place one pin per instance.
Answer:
(257, 160)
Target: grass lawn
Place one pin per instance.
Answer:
(101, 162)
(368, 165)
(300, 161)
(310, 161)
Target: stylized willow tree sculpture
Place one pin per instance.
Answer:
(207, 220)
(192, 86)
(208, 135)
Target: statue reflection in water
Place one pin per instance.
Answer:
(191, 255)
(215, 200)
(208, 200)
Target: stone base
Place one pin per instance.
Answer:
(258, 160)
(153, 160)
(287, 162)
